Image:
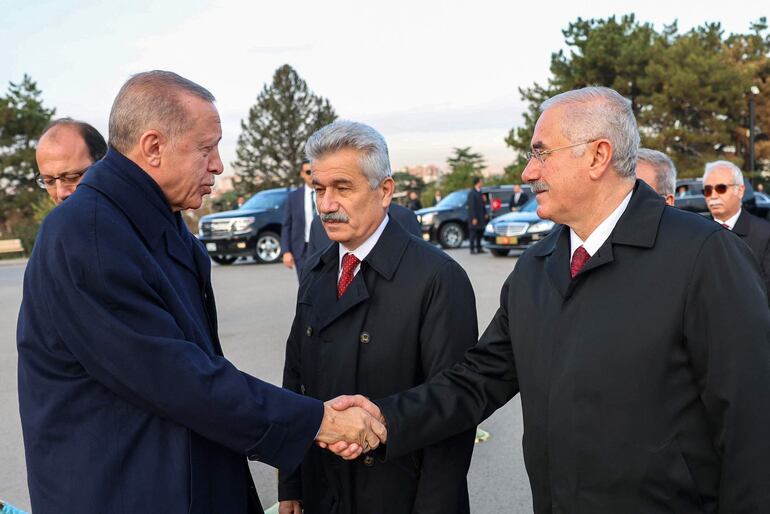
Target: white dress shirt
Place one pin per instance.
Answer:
(308, 211)
(730, 222)
(362, 251)
(600, 234)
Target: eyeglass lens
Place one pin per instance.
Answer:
(719, 188)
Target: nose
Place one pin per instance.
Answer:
(216, 166)
(63, 191)
(530, 172)
(327, 203)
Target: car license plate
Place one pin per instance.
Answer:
(502, 240)
(211, 247)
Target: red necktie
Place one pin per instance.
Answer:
(579, 258)
(726, 226)
(349, 263)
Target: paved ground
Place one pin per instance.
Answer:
(256, 305)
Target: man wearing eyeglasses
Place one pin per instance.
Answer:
(723, 188)
(636, 333)
(65, 150)
(299, 211)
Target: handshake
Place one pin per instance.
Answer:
(351, 425)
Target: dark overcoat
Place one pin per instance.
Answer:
(756, 233)
(127, 404)
(409, 313)
(645, 381)
(476, 209)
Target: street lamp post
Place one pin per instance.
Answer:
(754, 92)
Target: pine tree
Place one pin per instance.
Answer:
(22, 118)
(271, 145)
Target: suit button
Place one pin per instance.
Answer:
(364, 338)
(309, 331)
(369, 461)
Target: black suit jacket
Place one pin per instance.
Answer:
(756, 233)
(409, 313)
(476, 209)
(293, 227)
(523, 198)
(644, 381)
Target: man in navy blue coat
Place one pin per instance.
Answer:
(127, 404)
(299, 211)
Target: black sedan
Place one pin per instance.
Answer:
(516, 230)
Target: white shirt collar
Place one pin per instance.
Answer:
(731, 221)
(308, 210)
(366, 247)
(601, 233)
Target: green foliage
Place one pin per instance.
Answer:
(464, 165)
(22, 118)
(407, 182)
(688, 91)
(271, 145)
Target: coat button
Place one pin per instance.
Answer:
(369, 461)
(309, 331)
(364, 338)
(302, 388)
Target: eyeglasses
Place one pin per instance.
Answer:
(540, 155)
(719, 188)
(67, 179)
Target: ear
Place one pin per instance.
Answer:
(601, 157)
(741, 190)
(670, 200)
(151, 146)
(387, 187)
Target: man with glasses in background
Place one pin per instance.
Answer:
(65, 150)
(299, 212)
(723, 188)
(637, 335)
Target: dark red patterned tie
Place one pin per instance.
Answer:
(726, 226)
(349, 263)
(579, 258)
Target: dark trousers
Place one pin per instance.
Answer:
(474, 235)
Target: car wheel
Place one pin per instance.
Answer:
(451, 235)
(268, 248)
(224, 261)
(499, 253)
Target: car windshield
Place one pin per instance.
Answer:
(265, 200)
(456, 199)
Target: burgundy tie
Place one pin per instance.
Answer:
(726, 226)
(349, 263)
(579, 258)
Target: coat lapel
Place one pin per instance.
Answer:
(742, 227)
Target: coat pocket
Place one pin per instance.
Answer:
(668, 482)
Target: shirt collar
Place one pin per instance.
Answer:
(362, 251)
(601, 233)
(730, 222)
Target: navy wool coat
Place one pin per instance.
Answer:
(127, 404)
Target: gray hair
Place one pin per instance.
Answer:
(151, 100)
(735, 170)
(665, 171)
(600, 113)
(374, 161)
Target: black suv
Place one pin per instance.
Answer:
(447, 222)
(253, 230)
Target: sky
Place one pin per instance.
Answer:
(429, 75)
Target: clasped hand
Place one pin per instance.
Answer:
(351, 425)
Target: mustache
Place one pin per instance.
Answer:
(538, 186)
(334, 217)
